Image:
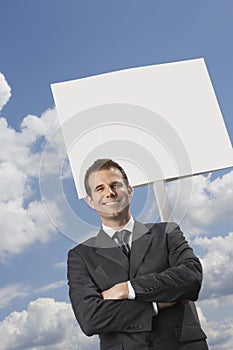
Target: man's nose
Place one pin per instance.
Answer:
(110, 192)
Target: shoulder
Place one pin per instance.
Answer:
(163, 227)
(83, 247)
(170, 233)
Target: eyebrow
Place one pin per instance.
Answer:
(111, 184)
(98, 186)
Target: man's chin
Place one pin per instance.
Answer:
(110, 214)
(114, 214)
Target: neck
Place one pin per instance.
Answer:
(116, 223)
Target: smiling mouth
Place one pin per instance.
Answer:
(111, 203)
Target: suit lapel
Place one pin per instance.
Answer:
(141, 241)
(108, 249)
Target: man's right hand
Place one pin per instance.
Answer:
(165, 305)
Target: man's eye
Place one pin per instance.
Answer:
(117, 184)
(99, 189)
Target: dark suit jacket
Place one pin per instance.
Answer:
(162, 268)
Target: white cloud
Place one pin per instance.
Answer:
(11, 292)
(50, 325)
(14, 180)
(23, 219)
(217, 265)
(60, 264)
(31, 156)
(51, 286)
(217, 303)
(5, 91)
(210, 203)
(45, 325)
(219, 333)
(21, 227)
(43, 126)
(17, 146)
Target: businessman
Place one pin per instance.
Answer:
(133, 284)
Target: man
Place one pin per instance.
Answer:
(133, 284)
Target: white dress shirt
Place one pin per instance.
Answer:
(129, 227)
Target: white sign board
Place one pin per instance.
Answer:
(159, 122)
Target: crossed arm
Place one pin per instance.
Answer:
(180, 282)
(96, 315)
(118, 291)
(121, 291)
(109, 310)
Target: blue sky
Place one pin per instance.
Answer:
(50, 41)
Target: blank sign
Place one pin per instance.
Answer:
(159, 122)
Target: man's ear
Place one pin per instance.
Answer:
(130, 191)
(89, 201)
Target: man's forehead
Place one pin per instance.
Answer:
(106, 174)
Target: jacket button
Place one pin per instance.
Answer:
(150, 344)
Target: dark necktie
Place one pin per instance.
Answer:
(122, 240)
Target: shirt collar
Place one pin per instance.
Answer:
(129, 227)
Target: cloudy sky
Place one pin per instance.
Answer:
(50, 41)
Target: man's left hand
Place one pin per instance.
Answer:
(118, 291)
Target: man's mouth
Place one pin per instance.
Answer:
(111, 203)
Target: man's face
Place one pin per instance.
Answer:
(110, 196)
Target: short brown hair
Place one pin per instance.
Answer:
(101, 164)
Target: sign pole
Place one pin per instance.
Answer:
(162, 200)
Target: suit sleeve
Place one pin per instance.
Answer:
(96, 315)
(181, 281)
